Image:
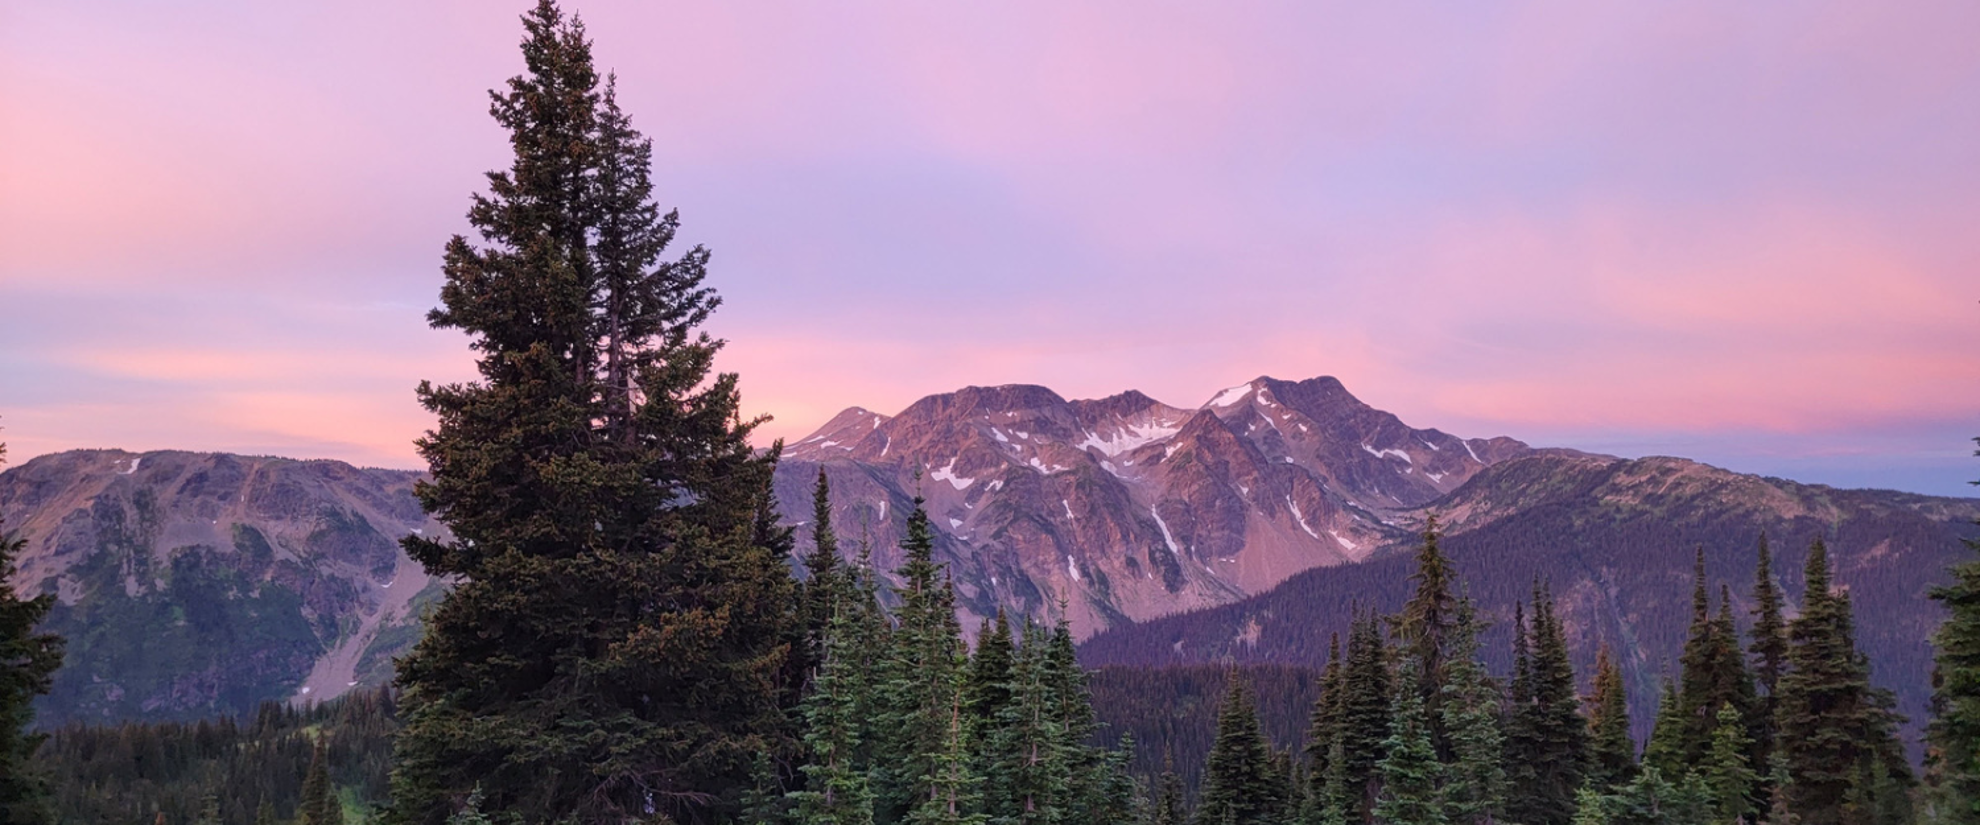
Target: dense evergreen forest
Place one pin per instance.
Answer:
(626, 641)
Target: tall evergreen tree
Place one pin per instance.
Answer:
(1726, 772)
(827, 580)
(1323, 725)
(1424, 628)
(1665, 750)
(1953, 762)
(1769, 650)
(990, 670)
(1237, 778)
(1366, 693)
(618, 639)
(1548, 756)
(1028, 776)
(1409, 771)
(1713, 672)
(1474, 790)
(836, 790)
(922, 683)
(1169, 805)
(1836, 732)
(28, 660)
(319, 805)
(1612, 753)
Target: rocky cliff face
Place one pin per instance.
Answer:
(1125, 508)
(190, 584)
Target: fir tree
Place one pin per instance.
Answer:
(1169, 805)
(1953, 762)
(28, 660)
(1409, 771)
(1728, 778)
(1649, 799)
(1424, 627)
(617, 641)
(1612, 753)
(827, 582)
(950, 784)
(990, 673)
(1547, 759)
(1029, 779)
(1323, 726)
(319, 805)
(1713, 672)
(836, 790)
(1834, 728)
(1366, 693)
(1474, 787)
(1769, 651)
(923, 682)
(1665, 750)
(1237, 778)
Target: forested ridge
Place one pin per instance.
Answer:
(629, 638)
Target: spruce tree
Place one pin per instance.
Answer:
(1548, 758)
(319, 805)
(1836, 731)
(1474, 789)
(1769, 650)
(1169, 806)
(1323, 725)
(1612, 753)
(1953, 762)
(1237, 777)
(28, 661)
(1665, 750)
(827, 582)
(1366, 693)
(1409, 771)
(989, 688)
(1726, 773)
(923, 683)
(618, 639)
(1425, 625)
(836, 789)
(1713, 672)
(1028, 778)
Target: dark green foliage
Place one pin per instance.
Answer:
(1712, 675)
(1665, 750)
(1953, 763)
(1026, 758)
(1409, 773)
(1612, 754)
(913, 766)
(1837, 733)
(1323, 729)
(1769, 649)
(319, 804)
(28, 658)
(1726, 772)
(619, 640)
(836, 787)
(1547, 738)
(1474, 788)
(1170, 808)
(990, 669)
(1238, 785)
(824, 585)
(1650, 799)
(1424, 627)
(1367, 693)
(1174, 710)
(254, 768)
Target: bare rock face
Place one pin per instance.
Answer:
(1124, 508)
(190, 584)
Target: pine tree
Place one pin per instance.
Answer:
(1085, 764)
(1548, 757)
(1769, 651)
(1324, 724)
(1169, 805)
(1713, 672)
(1028, 778)
(1728, 776)
(1665, 750)
(1954, 733)
(1612, 753)
(1366, 693)
(618, 640)
(1237, 778)
(1425, 625)
(1474, 788)
(827, 583)
(319, 805)
(28, 660)
(989, 688)
(1409, 771)
(922, 683)
(836, 790)
(1835, 729)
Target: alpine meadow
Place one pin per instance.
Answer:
(614, 595)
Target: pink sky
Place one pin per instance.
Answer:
(1741, 233)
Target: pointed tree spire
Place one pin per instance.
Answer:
(1612, 752)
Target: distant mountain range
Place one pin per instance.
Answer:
(1240, 530)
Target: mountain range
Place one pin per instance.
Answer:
(1242, 530)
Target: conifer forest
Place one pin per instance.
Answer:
(632, 636)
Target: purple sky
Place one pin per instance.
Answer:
(1745, 233)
